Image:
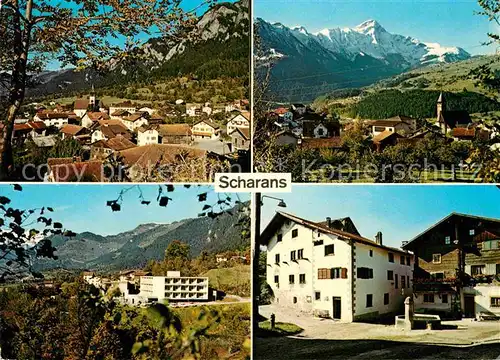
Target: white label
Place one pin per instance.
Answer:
(253, 182)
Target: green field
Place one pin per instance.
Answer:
(234, 280)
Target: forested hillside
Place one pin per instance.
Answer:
(418, 104)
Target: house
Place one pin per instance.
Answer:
(457, 267)
(322, 129)
(127, 106)
(238, 121)
(205, 129)
(142, 162)
(221, 258)
(71, 170)
(133, 275)
(108, 129)
(207, 109)
(146, 109)
(316, 268)
(286, 137)
(56, 119)
(299, 109)
(450, 119)
(174, 287)
(80, 107)
(399, 124)
(175, 134)
(29, 129)
(135, 121)
(101, 149)
(120, 114)
(90, 104)
(284, 114)
(240, 138)
(193, 109)
(384, 139)
(463, 134)
(91, 117)
(69, 131)
(147, 135)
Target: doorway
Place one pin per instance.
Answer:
(469, 306)
(337, 314)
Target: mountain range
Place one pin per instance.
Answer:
(146, 242)
(305, 65)
(218, 45)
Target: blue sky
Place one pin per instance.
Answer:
(400, 212)
(448, 22)
(83, 207)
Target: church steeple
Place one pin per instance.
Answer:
(440, 106)
(92, 101)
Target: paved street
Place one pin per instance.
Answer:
(328, 339)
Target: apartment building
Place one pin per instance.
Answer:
(174, 287)
(329, 270)
(457, 267)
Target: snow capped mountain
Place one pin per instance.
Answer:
(370, 38)
(346, 57)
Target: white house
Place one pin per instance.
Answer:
(90, 117)
(316, 268)
(174, 287)
(147, 136)
(134, 121)
(238, 121)
(123, 106)
(51, 118)
(399, 124)
(193, 109)
(205, 129)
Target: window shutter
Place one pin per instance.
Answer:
(371, 273)
(344, 273)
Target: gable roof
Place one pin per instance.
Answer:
(94, 116)
(118, 143)
(71, 129)
(81, 104)
(209, 123)
(174, 130)
(279, 218)
(47, 115)
(492, 225)
(149, 155)
(244, 132)
(121, 113)
(384, 135)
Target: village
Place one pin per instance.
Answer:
(300, 126)
(331, 284)
(135, 133)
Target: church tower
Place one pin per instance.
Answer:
(440, 109)
(92, 98)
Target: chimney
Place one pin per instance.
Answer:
(378, 238)
(329, 222)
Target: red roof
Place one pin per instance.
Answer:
(86, 171)
(281, 110)
(464, 132)
(81, 104)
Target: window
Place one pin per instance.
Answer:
(390, 275)
(295, 300)
(428, 298)
(403, 282)
(386, 299)
(365, 273)
(291, 279)
(276, 279)
(277, 258)
(444, 298)
(302, 278)
(369, 300)
(495, 302)
(472, 232)
(329, 250)
(408, 260)
(295, 233)
(279, 238)
(477, 269)
(324, 274)
(391, 257)
(378, 128)
(497, 269)
(300, 254)
(447, 240)
(317, 295)
(436, 258)
(320, 131)
(437, 276)
(371, 253)
(402, 260)
(293, 255)
(491, 244)
(396, 281)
